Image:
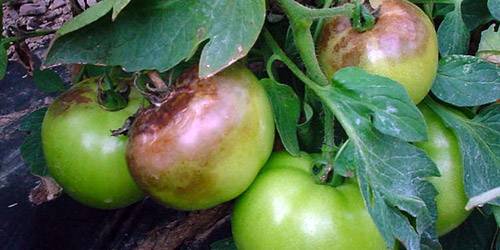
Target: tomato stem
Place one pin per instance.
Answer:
(156, 79)
(280, 55)
(301, 19)
(363, 18)
(13, 39)
(319, 24)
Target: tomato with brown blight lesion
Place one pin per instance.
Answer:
(206, 143)
(402, 46)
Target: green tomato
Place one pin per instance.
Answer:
(402, 46)
(206, 143)
(81, 154)
(442, 147)
(285, 209)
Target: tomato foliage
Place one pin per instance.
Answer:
(361, 122)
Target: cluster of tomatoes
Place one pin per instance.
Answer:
(211, 141)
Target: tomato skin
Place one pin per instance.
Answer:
(443, 148)
(206, 143)
(401, 46)
(81, 154)
(285, 209)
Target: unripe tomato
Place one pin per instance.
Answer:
(285, 209)
(206, 143)
(402, 46)
(81, 154)
(442, 147)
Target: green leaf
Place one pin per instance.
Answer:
(31, 149)
(391, 172)
(310, 131)
(92, 14)
(479, 140)
(494, 7)
(345, 161)
(467, 81)
(476, 233)
(453, 35)
(393, 114)
(224, 244)
(159, 34)
(442, 9)
(48, 81)
(118, 6)
(286, 110)
(87, 17)
(475, 13)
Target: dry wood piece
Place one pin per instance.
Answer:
(45, 191)
(188, 229)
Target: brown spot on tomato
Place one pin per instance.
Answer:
(400, 30)
(172, 146)
(76, 95)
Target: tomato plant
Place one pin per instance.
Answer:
(199, 147)
(285, 209)
(402, 46)
(442, 147)
(81, 154)
(336, 79)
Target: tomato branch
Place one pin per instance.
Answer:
(36, 33)
(319, 24)
(301, 19)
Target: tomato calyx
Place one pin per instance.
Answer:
(152, 87)
(364, 16)
(125, 128)
(112, 95)
(323, 171)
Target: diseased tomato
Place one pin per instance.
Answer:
(402, 46)
(442, 147)
(81, 154)
(285, 209)
(206, 143)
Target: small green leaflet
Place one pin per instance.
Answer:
(379, 118)
(467, 81)
(479, 140)
(310, 131)
(453, 35)
(31, 149)
(147, 34)
(286, 110)
(393, 114)
(48, 81)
